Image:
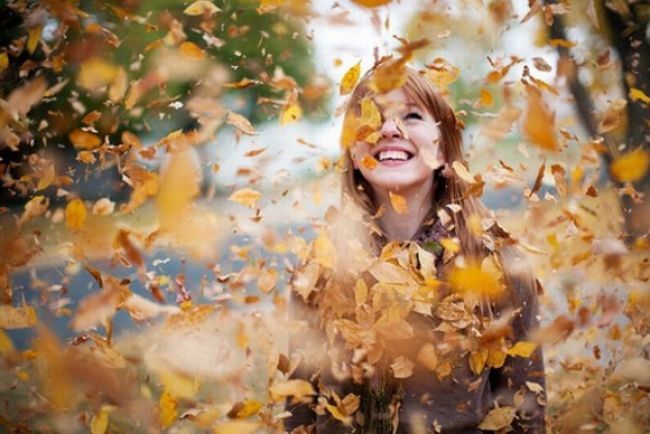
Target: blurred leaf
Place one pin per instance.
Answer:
(631, 166)
(75, 214)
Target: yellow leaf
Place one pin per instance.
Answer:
(201, 7)
(236, 427)
(631, 166)
(539, 124)
(34, 37)
(462, 172)
(290, 114)
(370, 114)
(474, 279)
(179, 184)
(120, 83)
(75, 214)
(47, 178)
(639, 95)
(477, 360)
(498, 418)
(349, 130)
(334, 411)
(297, 388)
(360, 292)
(241, 123)
(398, 203)
(324, 251)
(6, 345)
(496, 358)
(562, 43)
(350, 79)
(84, 140)
(246, 196)
(96, 73)
(522, 349)
(17, 317)
(450, 244)
(99, 422)
(245, 408)
(371, 3)
(178, 384)
(168, 409)
(192, 51)
(4, 61)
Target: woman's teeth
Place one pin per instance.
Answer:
(393, 155)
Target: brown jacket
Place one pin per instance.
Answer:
(424, 402)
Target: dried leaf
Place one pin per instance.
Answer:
(371, 3)
(498, 418)
(324, 251)
(246, 196)
(244, 409)
(296, 388)
(402, 367)
(201, 7)
(290, 113)
(522, 349)
(168, 409)
(99, 422)
(192, 51)
(398, 203)
(427, 356)
(350, 79)
(267, 280)
(17, 317)
(75, 214)
(84, 140)
(639, 95)
(241, 123)
(539, 124)
(631, 166)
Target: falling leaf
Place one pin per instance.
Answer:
(267, 280)
(402, 367)
(474, 279)
(477, 360)
(4, 61)
(388, 76)
(427, 356)
(103, 206)
(168, 409)
(192, 51)
(97, 308)
(368, 162)
(631, 166)
(244, 409)
(290, 114)
(96, 73)
(246, 196)
(522, 349)
(538, 180)
(498, 418)
(324, 251)
(338, 415)
(371, 3)
(350, 79)
(84, 140)
(99, 422)
(639, 95)
(17, 317)
(296, 388)
(236, 427)
(36, 207)
(47, 178)
(201, 7)
(539, 124)
(486, 98)
(241, 123)
(75, 214)
(34, 38)
(118, 86)
(398, 203)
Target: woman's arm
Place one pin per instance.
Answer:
(520, 381)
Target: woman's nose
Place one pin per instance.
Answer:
(390, 129)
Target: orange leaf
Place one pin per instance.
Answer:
(539, 124)
(201, 7)
(246, 196)
(522, 349)
(75, 214)
(84, 140)
(290, 114)
(631, 166)
(241, 123)
(192, 51)
(398, 203)
(371, 3)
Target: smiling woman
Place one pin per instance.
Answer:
(418, 305)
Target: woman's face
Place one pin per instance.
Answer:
(408, 150)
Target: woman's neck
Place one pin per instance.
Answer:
(404, 226)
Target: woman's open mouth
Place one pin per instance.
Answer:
(392, 156)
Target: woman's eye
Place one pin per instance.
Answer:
(413, 115)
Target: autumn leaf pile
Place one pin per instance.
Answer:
(181, 322)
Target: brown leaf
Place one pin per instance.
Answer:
(498, 418)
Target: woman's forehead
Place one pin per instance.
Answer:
(394, 101)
